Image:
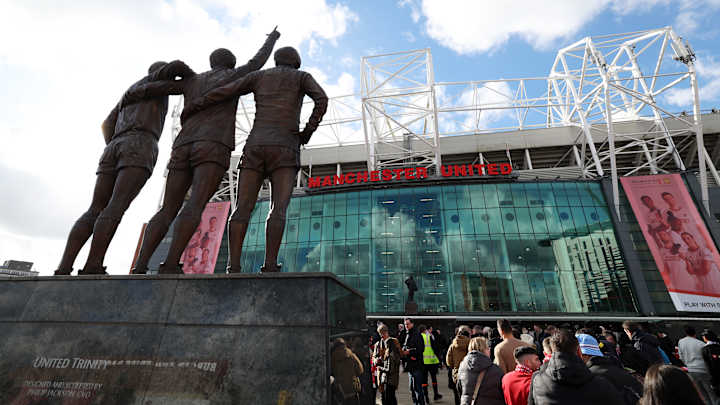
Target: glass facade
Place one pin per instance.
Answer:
(526, 247)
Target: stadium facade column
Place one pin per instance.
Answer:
(632, 261)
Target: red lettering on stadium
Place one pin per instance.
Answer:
(410, 173)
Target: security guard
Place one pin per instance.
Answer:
(431, 363)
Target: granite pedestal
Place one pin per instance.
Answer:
(411, 308)
(187, 339)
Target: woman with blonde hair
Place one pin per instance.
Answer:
(476, 368)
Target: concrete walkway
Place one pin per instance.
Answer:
(403, 392)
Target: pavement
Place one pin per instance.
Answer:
(403, 391)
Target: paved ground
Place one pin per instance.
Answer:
(403, 392)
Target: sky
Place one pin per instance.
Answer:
(65, 64)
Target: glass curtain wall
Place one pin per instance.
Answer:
(526, 247)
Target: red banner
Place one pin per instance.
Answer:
(680, 243)
(201, 252)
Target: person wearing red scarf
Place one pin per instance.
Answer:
(516, 384)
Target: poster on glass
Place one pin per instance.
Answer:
(201, 252)
(680, 243)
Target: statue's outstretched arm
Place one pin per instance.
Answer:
(258, 61)
(237, 88)
(159, 88)
(171, 71)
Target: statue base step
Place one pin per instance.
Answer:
(411, 308)
(176, 339)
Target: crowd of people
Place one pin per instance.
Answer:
(542, 365)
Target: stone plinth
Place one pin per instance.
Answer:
(187, 339)
(411, 308)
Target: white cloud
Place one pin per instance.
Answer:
(414, 9)
(708, 71)
(345, 107)
(65, 65)
(476, 27)
(409, 36)
(472, 27)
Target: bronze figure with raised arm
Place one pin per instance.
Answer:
(272, 148)
(200, 157)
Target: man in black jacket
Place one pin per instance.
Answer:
(413, 348)
(566, 380)
(131, 134)
(200, 156)
(628, 386)
(711, 355)
(646, 344)
(272, 149)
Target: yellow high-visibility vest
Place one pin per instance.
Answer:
(429, 356)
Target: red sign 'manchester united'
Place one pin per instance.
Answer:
(409, 173)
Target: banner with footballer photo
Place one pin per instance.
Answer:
(678, 239)
(201, 252)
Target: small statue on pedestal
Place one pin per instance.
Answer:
(412, 287)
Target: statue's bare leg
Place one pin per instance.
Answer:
(282, 181)
(206, 178)
(129, 182)
(178, 183)
(83, 228)
(249, 184)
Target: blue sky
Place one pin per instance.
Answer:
(65, 65)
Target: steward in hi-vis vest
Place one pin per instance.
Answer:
(431, 362)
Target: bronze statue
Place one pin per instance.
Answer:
(131, 134)
(200, 156)
(412, 287)
(272, 148)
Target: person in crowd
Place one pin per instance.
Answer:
(401, 332)
(669, 385)
(504, 351)
(608, 347)
(516, 333)
(441, 343)
(667, 346)
(495, 339)
(631, 358)
(413, 349)
(431, 362)
(538, 334)
(566, 380)
(646, 344)
(476, 331)
(346, 368)
(690, 349)
(456, 353)
(386, 354)
(547, 349)
(476, 368)
(599, 365)
(527, 338)
(711, 355)
(487, 332)
(516, 384)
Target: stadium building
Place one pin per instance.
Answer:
(506, 197)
